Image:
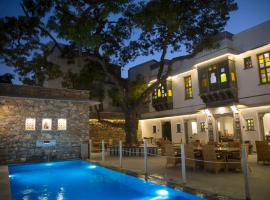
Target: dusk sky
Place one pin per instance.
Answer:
(250, 13)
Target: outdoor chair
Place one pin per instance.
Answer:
(263, 151)
(236, 157)
(190, 157)
(212, 163)
(170, 155)
(163, 143)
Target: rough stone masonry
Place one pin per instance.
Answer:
(20, 102)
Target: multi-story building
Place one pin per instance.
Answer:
(215, 95)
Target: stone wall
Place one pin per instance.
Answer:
(19, 145)
(108, 130)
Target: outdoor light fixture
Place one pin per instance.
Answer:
(207, 112)
(221, 110)
(234, 109)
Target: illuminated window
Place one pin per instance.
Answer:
(178, 128)
(46, 124)
(154, 129)
(250, 124)
(62, 124)
(30, 124)
(161, 91)
(223, 76)
(247, 63)
(202, 125)
(194, 127)
(188, 87)
(264, 67)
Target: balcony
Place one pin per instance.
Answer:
(218, 84)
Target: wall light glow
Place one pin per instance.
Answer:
(234, 109)
(207, 112)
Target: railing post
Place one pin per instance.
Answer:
(245, 172)
(120, 153)
(103, 150)
(90, 148)
(183, 163)
(145, 157)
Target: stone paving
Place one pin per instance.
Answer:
(228, 184)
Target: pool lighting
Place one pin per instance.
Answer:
(92, 166)
(11, 176)
(49, 164)
(162, 192)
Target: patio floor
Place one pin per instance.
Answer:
(228, 184)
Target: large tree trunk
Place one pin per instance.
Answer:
(131, 127)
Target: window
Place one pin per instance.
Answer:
(161, 92)
(178, 128)
(46, 124)
(264, 67)
(250, 125)
(247, 63)
(62, 124)
(202, 125)
(194, 128)
(223, 75)
(30, 124)
(188, 88)
(154, 129)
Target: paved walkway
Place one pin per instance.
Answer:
(224, 183)
(4, 184)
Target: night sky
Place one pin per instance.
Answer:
(249, 13)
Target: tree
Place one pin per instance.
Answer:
(6, 78)
(115, 32)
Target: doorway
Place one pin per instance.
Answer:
(225, 128)
(166, 131)
(191, 130)
(266, 126)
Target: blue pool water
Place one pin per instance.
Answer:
(79, 180)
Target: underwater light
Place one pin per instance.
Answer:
(162, 192)
(11, 176)
(92, 166)
(48, 164)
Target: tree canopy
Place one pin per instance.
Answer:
(110, 33)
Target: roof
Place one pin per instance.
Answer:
(37, 92)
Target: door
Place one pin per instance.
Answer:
(166, 131)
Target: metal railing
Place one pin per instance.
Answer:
(183, 159)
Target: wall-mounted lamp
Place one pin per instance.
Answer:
(234, 109)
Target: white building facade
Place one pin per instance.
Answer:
(217, 95)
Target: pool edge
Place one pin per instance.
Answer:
(5, 192)
(182, 187)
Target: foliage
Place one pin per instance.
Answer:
(6, 78)
(110, 33)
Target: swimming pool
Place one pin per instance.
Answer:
(79, 180)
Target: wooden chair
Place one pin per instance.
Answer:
(163, 143)
(263, 151)
(209, 154)
(171, 158)
(237, 157)
(189, 153)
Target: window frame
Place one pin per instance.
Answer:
(178, 125)
(245, 62)
(187, 95)
(265, 67)
(202, 127)
(250, 128)
(154, 129)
